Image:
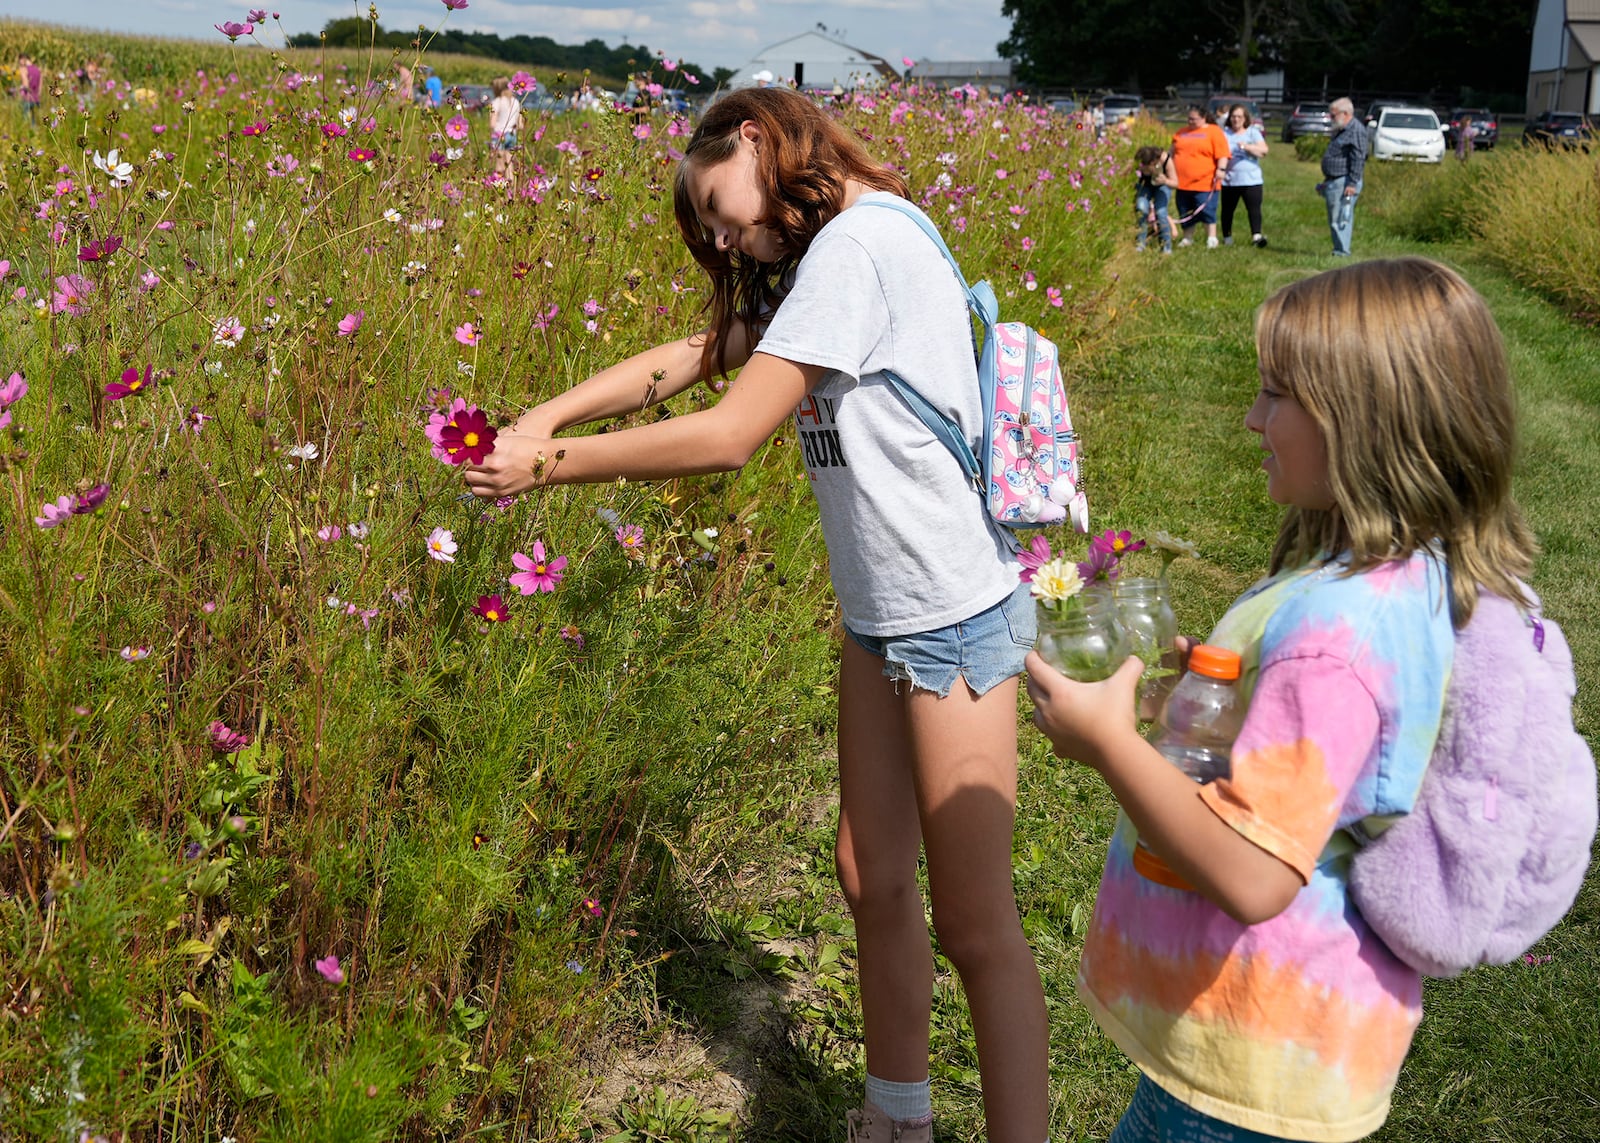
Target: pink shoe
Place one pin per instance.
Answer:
(872, 1125)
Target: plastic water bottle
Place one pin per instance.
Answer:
(1346, 208)
(1195, 732)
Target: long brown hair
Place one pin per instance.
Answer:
(1401, 365)
(803, 170)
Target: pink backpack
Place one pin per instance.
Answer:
(1027, 466)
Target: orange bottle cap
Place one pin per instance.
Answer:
(1214, 662)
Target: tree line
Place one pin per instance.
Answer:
(1447, 46)
(537, 51)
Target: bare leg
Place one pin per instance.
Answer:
(876, 854)
(965, 748)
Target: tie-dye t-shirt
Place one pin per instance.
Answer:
(1295, 1027)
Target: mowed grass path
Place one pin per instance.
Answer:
(1503, 1053)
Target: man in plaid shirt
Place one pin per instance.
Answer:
(1342, 164)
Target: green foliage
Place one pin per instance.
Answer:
(1534, 211)
(1310, 148)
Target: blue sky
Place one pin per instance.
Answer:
(714, 33)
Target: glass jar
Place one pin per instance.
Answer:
(1144, 608)
(1081, 638)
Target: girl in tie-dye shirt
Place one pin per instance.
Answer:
(1259, 1005)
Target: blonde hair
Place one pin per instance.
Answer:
(499, 84)
(1402, 367)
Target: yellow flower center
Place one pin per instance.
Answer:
(470, 439)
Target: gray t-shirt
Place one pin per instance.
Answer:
(910, 545)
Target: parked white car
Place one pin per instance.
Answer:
(1407, 133)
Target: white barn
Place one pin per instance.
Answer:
(1564, 63)
(814, 60)
(991, 75)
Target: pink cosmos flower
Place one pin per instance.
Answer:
(434, 429)
(467, 334)
(13, 389)
(280, 166)
(5, 268)
(52, 514)
(132, 654)
(692, 79)
(329, 533)
(328, 966)
(669, 65)
(229, 331)
(85, 502)
(351, 322)
(226, 741)
(148, 281)
(641, 131)
(591, 307)
(133, 382)
(233, 30)
(1054, 295)
(1035, 556)
(570, 634)
(251, 130)
(442, 546)
(522, 83)
(457, 127)
(70, 292)
(543, 321)
(335, 130)
(631, 537)
(455, 5)
(538, 573)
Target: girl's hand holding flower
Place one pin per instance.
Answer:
(519, 463)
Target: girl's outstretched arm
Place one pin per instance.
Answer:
(631, 385)
(1094, 724)
(719, 439)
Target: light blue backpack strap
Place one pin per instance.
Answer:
(942, 427)
(979, 296)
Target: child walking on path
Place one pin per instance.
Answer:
(1259, 1005)
(816, 300)
(1151, 190)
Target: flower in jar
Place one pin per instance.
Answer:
(1055, 581)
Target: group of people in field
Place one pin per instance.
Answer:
(1210, 168)
(1202, 175)
(1255, 1003)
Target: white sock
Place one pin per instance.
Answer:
(900, 1100)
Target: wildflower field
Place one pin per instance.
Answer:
(335, 804)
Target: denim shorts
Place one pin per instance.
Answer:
(1157, 1117)
(1205, 202)
(986, 649)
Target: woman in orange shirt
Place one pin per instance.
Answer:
(1200, 151)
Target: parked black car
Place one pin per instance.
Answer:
(1307, 119)
(1566, 129)
(1485, 125)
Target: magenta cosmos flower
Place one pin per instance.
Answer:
(468, 437)
(351, 322)
(329, 969)
(491, 607)
(361, 154)
(99, 249)
(455, 5)
(133, 382)
(233, 30)
(1034, 557)
(538, 573)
